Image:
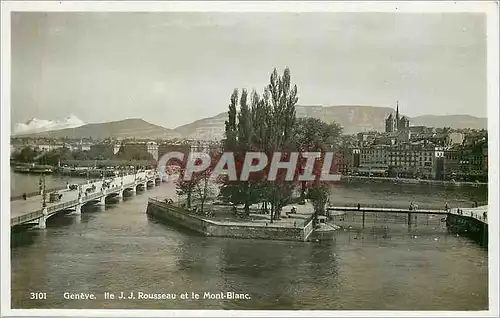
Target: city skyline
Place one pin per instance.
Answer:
(181, 62)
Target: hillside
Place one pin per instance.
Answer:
(211, 128)
(354, 119)
(128, 128)
(453, 121)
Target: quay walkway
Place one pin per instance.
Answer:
(32, 211)
(476, 213)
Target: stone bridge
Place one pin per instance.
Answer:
(31, 211)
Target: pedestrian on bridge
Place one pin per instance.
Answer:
(446, 207)
(359, 207)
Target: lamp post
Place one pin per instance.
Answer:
(44, 194)
(42, 184)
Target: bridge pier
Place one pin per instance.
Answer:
(120, 195)
(102, 200)
(484, 241)
(409, 218)
(42, 221)
(78, 208)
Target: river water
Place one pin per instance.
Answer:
(118, 249)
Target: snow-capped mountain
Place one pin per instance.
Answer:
(35, 125)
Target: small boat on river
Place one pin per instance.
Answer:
(42, 169)
(21, 169)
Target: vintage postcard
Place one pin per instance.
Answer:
(249, 159)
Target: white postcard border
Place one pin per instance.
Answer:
(489, 8)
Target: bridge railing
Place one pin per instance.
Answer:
(62, 206)
(35, 193)
(117, 187)
(94, 196)
(27, 217)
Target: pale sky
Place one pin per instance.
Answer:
(173, 68)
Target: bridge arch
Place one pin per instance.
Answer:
(91, 202)
(112, 195)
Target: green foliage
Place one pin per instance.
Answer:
(269, 124)
(318, 195)
(133, 153)
(53, 157)
(186, 187)
(82, 155)
(230, 124)
(27, 155)
(264, 125)
(312, 134)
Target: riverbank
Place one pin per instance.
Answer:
(224, 224)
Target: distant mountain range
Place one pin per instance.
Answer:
(354, 119)
(127, 128)
(35, 125)
(453, 121)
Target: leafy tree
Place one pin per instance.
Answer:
(202, 187)
(133, 153)
(26, 154)
(314, 135)
(281, 97)
(191, 187)
(187, 188)
(81, 155)
(318, 195)
(269, 125)
(230, 124)
(53, 157)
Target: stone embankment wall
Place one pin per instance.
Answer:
(468, 226)
(177, 216)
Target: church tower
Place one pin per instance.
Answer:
(397, 115)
